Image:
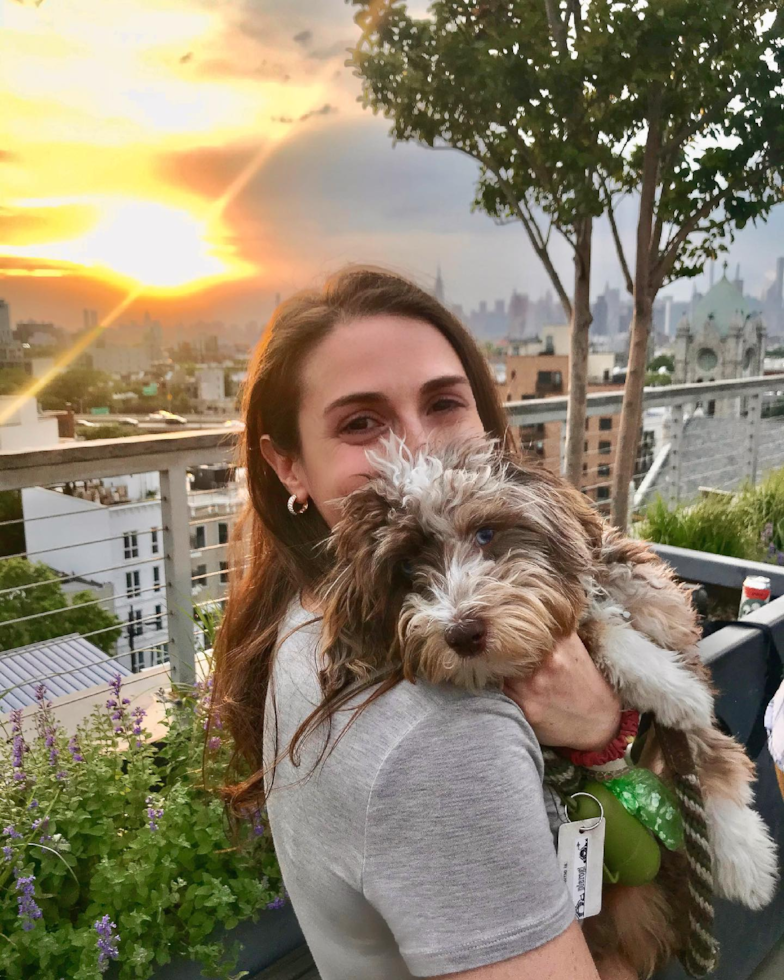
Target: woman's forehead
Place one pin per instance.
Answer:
(381, 354)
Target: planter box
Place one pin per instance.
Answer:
(273, 936)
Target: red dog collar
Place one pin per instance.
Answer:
(630, 722)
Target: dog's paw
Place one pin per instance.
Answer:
(745, 859)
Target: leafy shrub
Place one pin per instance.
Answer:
(713, 525)
(114, 849)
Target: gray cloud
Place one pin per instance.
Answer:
(304, 38)
(338, 49)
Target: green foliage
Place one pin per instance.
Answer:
(81, 387)
(12, 536)
(655, 380)
(13, 380)
(111, 430)
(663, 360)
(748, 524)
(110, 824)
(73, 617)
(709, 525)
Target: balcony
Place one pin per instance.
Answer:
(689, 454)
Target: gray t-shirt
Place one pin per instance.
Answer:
(423, 845)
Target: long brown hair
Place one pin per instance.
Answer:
(275, 557)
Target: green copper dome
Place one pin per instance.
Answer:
(724, 302)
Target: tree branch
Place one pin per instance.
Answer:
(667, 259)
(557, 27)
(617, 238)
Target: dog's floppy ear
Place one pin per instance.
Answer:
(356, 594)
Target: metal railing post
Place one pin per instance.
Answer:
(177, 565)
(676, 447)
(753, 418)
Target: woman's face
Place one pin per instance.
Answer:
(367, 378)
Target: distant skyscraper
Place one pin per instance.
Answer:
(774, 301)
(438, 289)
(6, 336)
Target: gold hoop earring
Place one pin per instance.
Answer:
(292, 505)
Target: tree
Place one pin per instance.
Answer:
(13, 380)
(82, 387)
(73, 617)
(704, 114)
(663, 360)
(519, 87)
(12, 536)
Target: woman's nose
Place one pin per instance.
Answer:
(414, 434)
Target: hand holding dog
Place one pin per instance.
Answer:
(567, 701)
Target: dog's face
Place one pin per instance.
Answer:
(461, 565)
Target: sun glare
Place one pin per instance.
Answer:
(155, 245)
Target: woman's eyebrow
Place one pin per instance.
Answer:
(434, 384)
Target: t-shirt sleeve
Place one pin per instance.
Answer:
(459, 857)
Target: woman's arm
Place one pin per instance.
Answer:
(567, 701)
(565, 956)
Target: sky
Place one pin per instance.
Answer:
(205, 157)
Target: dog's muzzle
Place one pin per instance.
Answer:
(468, 638)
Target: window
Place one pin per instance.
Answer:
(154, 537)
(137, 661)
(587, 424)
(605, 448)
(159, 654)
(512, 374)
(131, 545)
(223, 533)
(156, 577)
(224, 572)
(605, 424)
(603, 469)
(585, 467)
(602, 493)
(199, 576)
(201, 537)
(132, 584)
(585, 446)
(606, 375)
(552, 378)
(135, 625)
(158, 617)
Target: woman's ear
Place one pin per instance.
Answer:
(287, 468)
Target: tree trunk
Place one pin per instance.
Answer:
(631, 412)
(578, 354)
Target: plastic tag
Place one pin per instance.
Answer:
(581, 857)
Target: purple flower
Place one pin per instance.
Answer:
(107, 942)
(12, 832)
(28, 910)
(20, 747)
(154, 813)
(277, 903)
(258, 826)
(111, 703)
(214, 743)
(75, 750)
(137, 714)
(45, 724)
(780, 558)
(33, 805)
(8, 852)
(116, 684)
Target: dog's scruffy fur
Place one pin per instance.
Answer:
(421, 586)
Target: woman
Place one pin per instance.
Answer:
(417, 841)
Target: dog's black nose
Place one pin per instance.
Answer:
(467, 638)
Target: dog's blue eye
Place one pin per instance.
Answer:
(484, 535)
(407, 567)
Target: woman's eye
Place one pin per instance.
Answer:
(360, 424)
(484, 535)
(445, 405)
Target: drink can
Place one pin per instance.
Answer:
(755, 593)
